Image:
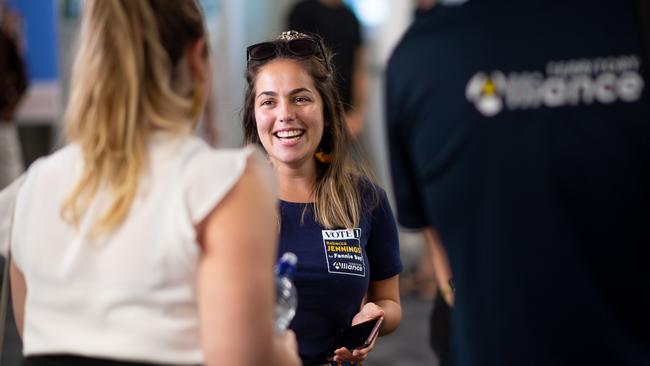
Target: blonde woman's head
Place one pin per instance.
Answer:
(142, 66)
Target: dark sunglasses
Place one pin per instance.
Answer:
(302, 47)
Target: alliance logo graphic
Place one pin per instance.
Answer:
(602, 80)
(357, 267)
(486, 92)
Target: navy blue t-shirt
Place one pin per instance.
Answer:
(334, 270)
(520, 130)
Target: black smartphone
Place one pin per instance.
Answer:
(359, 335)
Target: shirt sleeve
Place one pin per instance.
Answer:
(410, 210)
(213, 174)
(383, 244)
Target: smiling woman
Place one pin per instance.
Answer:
(333, 217)
(308, 79)
(289, 115)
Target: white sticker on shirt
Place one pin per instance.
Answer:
(343, 252)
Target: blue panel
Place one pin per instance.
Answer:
(41, 41)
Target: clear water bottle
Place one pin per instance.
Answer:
(286, 298)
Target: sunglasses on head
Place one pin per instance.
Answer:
(301, 47)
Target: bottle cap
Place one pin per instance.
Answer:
(287, 265)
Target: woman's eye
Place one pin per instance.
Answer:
(266, 103)
(301, 99)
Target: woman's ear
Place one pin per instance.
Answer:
(198, 60)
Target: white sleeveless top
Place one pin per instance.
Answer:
(131, 294)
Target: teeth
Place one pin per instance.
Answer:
(288, 133)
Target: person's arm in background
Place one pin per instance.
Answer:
(385, 295)
(17, 280)
(441, 264)
(356, 116)
(18, 293)
(235, 278)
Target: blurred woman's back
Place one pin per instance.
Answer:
(133, 242)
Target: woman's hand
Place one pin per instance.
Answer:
(343, 354)
(369, 311)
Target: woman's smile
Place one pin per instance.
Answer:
(289, 137)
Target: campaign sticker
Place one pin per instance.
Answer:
(343, 252)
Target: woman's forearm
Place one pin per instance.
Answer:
(392, 315)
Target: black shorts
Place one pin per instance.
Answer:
(71, 360)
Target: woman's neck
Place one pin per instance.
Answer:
(296, 184)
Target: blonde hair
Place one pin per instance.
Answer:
(121, 92)
(342, 185)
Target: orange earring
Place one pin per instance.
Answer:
(323, 157)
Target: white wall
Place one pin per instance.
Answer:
(380, 42)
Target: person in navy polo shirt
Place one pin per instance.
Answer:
(520, 131)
